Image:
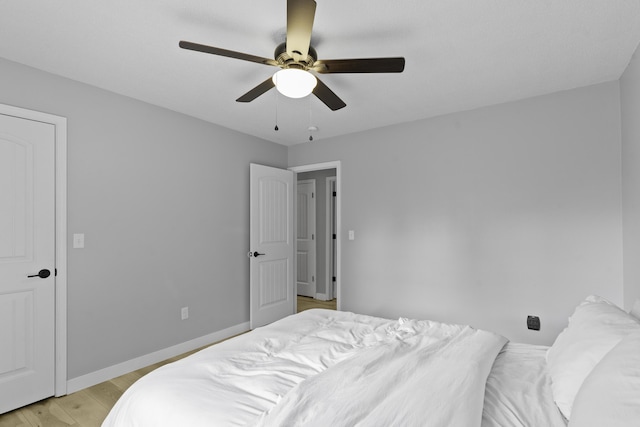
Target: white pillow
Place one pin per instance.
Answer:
(610, 396)
(595, 327)
(635, 310)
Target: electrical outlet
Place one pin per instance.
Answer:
(533, 323)
(184, 313)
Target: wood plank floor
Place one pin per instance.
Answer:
(89, 407)
(305, 303)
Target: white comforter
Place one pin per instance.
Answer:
(323, 368)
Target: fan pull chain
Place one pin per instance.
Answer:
(310, 121)
(276, 128)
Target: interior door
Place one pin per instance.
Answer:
(27, 261)
(271, 245)
(306, 238)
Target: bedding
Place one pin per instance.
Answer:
(324, 367)
(610, 395)
(635, 310)
(518, 390)
(594, 328)
(410, 380)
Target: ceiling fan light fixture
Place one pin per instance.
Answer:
(294, 83)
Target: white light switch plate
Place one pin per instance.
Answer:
(352, 235)
(78, 241)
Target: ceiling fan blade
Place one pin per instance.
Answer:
(257, 91)
(363, 65)
(228, 53)
(300, 15)
(327, 96)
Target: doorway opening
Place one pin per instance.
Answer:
(321, 274)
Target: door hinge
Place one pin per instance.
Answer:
(334, 278)
(313, 236)
(335, 236)
(335, 194)
(313, 278)
(313, 195)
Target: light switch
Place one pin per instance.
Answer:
(78, 241)
(352, 235)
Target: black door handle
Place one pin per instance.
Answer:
(43, 274)
(256, 254)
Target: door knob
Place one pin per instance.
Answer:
(43, 274)
(255, 254)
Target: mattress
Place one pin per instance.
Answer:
(324, 367)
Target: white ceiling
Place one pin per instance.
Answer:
(460, 54)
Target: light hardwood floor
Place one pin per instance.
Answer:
(305, 303)
(89, 407)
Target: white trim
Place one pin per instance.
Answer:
(294, 232)
(337, 165)
(105, 374)
(322, 297)
(60, 124)
(61, 257)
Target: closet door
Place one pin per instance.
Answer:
(306, 238)
(27, 261)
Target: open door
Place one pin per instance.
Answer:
(272, 238)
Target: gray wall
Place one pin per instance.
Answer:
(479, 217)
(486, 216)
(163, 201)
(630, 100)
(321, 224)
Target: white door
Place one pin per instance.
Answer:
(306, 238)
(27, 248)
(271, 245)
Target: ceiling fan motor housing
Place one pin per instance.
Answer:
(286, 61)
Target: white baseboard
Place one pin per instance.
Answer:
(322, 297)
(110, 372)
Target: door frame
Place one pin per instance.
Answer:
(337, 165)
(330, 208)
(60, 280)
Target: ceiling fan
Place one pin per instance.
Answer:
(296, 58)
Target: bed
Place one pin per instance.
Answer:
(332, 368)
